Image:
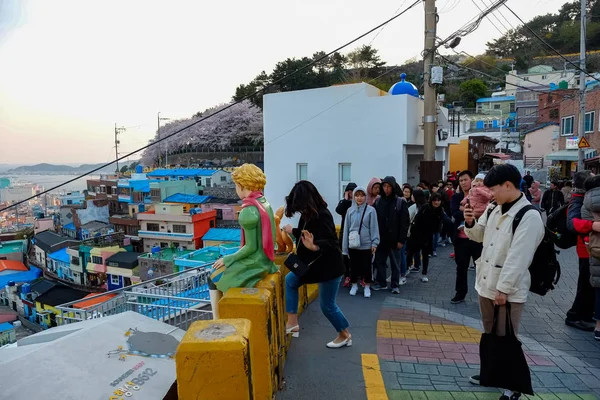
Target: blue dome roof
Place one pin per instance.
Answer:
(404, 87)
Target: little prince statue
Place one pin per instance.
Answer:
(255, 258)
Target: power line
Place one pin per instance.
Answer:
(489, 19)
(262, 90)
(550, 46)
(383, 27)
(501, 14)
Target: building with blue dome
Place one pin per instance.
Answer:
(404, 87)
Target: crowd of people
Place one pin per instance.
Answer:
(493, 220)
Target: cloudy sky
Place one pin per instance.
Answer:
(71, 69)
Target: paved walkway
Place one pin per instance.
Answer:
(417, 345)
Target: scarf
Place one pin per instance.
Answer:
(265, 223)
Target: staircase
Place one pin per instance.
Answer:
(534, 163)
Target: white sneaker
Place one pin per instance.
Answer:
(367, 291)
(424, 278)
(403, 281)
(354, 289)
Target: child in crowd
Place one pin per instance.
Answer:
(479, 196)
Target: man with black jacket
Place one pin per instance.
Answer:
(552, 199)
(464, 248)
(392, 215)
(342, 208)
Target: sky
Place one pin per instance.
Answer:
(71, 69)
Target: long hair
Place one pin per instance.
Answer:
(305, 199)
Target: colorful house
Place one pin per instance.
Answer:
(205, 177)
(188, 201)
(219, 236)
(160, 190)
(16, 271)
(120, 269)
(48, 242)
(96, 267)
(13, 250)
(8, 334)
(169, 226)
(203, 257)
(45, 305)
(59, 262)
(157, 263)
(226, 209)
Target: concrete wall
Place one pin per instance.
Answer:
(459, 156)
(540, 143)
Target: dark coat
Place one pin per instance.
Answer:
(392, 216)
(329, 263)
(427, 222)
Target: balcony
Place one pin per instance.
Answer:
(166, 235)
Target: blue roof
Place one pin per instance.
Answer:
(60, 255)
(70, 227)
(223, 235)
(496, 99)
(5, 326)
(17, 277)
(404, 87)
(187, 172)
(187, 198)
(540, 127)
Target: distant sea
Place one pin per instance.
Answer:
(49, 181)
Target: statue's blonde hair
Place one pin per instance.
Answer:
(250, 177)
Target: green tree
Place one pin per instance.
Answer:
(472, 90)
(124, 169)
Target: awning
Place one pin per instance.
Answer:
(499, 156)
(569, 155)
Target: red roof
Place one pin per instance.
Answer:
(10, 265)
(8, 316)
(92, 302)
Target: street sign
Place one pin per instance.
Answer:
(584, 144)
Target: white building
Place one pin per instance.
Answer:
(340, 134)
(540, 75)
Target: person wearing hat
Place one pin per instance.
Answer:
(342, 208)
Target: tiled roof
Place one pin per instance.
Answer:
(223, 235)
(5, 326)
(187, 198)
(45, 240)
(10, 265)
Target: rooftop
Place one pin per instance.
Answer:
(223, 235)
(60, 294)
(60, 255)
(187, 199)
(5, 326)
(206, 255)
(10, 265)
(496, 99)
(13, 246)
(166, 254)
(42, 285)
(95, 301)
(95, 226)
(124, 259)
(70, 226)
(188, 172)
(45, 240)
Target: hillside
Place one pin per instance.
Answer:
(46, 168)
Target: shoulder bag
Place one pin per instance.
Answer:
(354, 236)
(295, 264)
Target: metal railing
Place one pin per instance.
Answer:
(177, 299)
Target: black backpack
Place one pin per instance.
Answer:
(562, 237)
(544, 268)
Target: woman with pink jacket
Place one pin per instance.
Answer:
(536, 194)
(373, 189)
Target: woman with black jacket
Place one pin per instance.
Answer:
(426, 223)
(317, 245)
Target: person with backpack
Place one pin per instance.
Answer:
(552, 199)
(591, 213)
(580, 315)
(503, 272)
(361, 238)
(392, 216)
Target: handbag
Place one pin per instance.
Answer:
(354, 236)
(503, 363)
(295, 264)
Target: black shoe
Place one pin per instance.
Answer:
(458, 299)
(475, 380)
(581, 325)
(504, 397)
(515, 396)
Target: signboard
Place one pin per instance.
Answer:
(583, 143)
(572, 143)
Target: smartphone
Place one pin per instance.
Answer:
(469, 202)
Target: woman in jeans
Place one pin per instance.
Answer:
(317, 243)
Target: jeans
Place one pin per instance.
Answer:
(436, 239)
(464, 250)
(583, 305)
(327, 293)
(397, 264)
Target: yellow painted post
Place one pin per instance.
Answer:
(255, 304)
(272, 283)
(313, 292)
(213, 361)
(302, 299)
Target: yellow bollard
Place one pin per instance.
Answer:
(312, 292)
(213, 361)
(255, 304)
(273, 283)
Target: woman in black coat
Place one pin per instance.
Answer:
(318, 246)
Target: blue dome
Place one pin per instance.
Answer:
(404, 87)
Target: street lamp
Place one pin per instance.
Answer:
(158, 119)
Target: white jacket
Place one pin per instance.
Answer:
(505, 259)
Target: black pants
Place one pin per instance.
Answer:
(360, 265)
(414, 247)
(585, 298)
(464, 251)
(346, 266)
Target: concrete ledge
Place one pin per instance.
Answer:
(213, 361)
(256, 305)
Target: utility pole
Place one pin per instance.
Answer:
(117, 131)
(430, 170)
(581, 130)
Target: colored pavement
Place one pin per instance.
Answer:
(416, 345)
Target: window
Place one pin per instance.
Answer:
(69, 201)
(97, 260)
(301, 172)
(208, 182)
(497, 106)
(223, 179)
(488, 124)
(153, 227)
(511, 107)
(115, 280)
(164, 245)
(179, 229)
(345, 174)
(589, 121)
(544, 76)
(75, 260)
(155, 194)
(566, 126)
